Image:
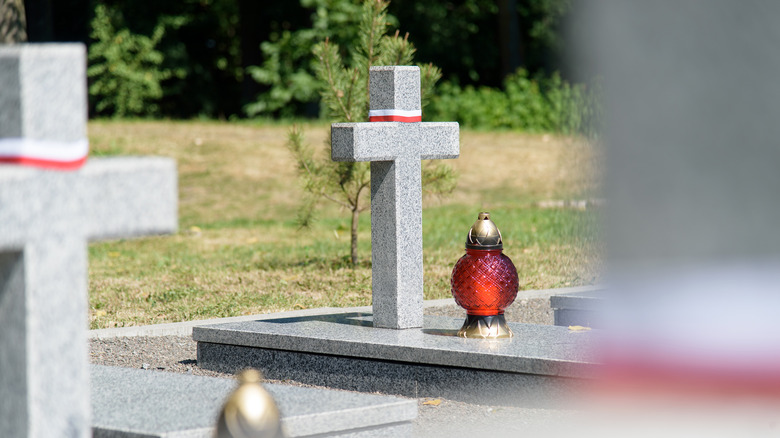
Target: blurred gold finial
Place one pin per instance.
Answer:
(250, 412)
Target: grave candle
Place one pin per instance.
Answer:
(484, 282)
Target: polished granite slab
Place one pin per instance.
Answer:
(131, 403)
(541, 366)
(534, 349)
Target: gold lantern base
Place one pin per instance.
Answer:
(485, 327)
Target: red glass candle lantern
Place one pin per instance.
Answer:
(484, 282)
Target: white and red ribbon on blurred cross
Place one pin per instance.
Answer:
(45, 154)
(394, 115)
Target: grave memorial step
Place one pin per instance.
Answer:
(541, 366)
(131, 403)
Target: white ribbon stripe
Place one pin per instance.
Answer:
(44, 149)
(395, 112)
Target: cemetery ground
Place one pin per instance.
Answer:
(239, 250)
(436, 416)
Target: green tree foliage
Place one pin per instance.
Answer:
(345, 99)
(203, 49)
(288, 67)
(530, 104)
(125, 68)
(462, 36)
(220, 41)
(543, 20)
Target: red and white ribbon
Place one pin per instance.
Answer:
(394, 115)
(47, 154)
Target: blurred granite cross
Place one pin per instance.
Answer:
(52, 202)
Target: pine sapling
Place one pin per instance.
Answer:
(344, 94)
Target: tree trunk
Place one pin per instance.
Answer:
(254, 27)
(13, 25)
(355, 216)
(510, 42)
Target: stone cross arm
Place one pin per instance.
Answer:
(387, 141)
(107, 198)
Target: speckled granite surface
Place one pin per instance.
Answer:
(541, 366)
(535, 349)
(128, 402)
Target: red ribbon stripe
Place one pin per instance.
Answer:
(393, 115)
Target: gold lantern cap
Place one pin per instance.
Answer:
(484, 234)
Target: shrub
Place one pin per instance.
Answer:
(288, 68)
(345, 98)
(124, 68)
(528, 104)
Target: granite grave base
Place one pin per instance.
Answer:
(542, 366)
(578, 308)
(131, 403)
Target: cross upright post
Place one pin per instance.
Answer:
(394, 142)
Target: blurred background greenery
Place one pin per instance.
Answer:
(503, 61)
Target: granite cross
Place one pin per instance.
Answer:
(394, 142)
(46, 218)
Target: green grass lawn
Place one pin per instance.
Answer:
(239, 250)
